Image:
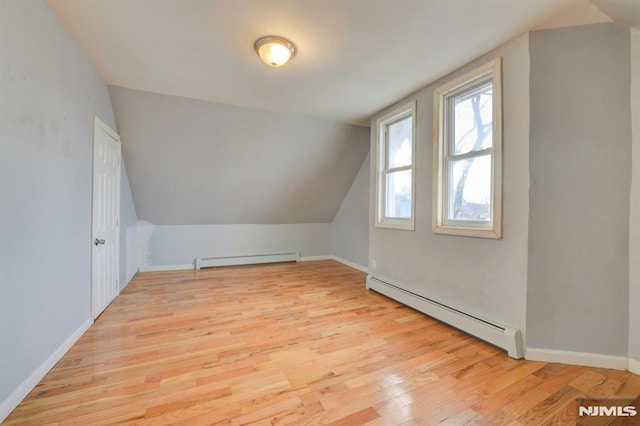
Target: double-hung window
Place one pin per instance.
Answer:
(395, 206)
(468, 152)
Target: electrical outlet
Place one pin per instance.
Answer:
(373, 264)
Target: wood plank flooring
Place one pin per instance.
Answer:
(294, 344)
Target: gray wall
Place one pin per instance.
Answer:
(163, 245)
(580, 162)
(481, 276)
(634, 231)
(194, 162)
(128, 231)
(350, 227)
(49, 94)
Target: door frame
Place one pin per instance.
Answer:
(99, 125)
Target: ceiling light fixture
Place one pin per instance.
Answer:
(274, 51)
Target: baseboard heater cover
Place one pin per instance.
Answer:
(506, 338)
(212, 262)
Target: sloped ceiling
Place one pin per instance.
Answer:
(624, 11)
(196, 162)
(213, 136)
(354, 57)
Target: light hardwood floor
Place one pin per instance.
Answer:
(301, 343)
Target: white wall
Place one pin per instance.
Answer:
(634, 217)
(350, 227)
(165, 245)
(484, 277)
(49, 95)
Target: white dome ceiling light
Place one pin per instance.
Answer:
(274, 51)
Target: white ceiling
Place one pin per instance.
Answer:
(624, 11)
(354, 57)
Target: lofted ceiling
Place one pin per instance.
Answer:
(213, 136)
(194, 162)
(354, 57)
(624, 11)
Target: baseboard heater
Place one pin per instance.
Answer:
(254, 259)
(506, 338)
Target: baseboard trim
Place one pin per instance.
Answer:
(337, 259)
(163, 268)
(312, 258)
(8, 405)
(634, 366)
(185, 267)
(578, 358)
(351, 264)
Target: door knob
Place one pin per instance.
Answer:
(97, 241)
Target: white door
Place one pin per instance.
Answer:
(105, 240)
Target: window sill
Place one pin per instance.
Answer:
(491, 233)
(401, 225)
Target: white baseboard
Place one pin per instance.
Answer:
(578, 358)
(8, 405)
(634, 366)
(351, 264)
(246, 259)
(162, 268)
(337, 259)
(312, 258)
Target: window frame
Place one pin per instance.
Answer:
(382, 124)
(491, 71)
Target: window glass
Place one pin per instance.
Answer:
(398, 194)
(399, 135)
(472, 119)
(470, 189)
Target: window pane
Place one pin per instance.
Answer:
(398, 196)
(470, 189)
(399, 143)
(472, 120)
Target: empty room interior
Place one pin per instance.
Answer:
(319, 212)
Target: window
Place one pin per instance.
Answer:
(395, 191)
(468, 150)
